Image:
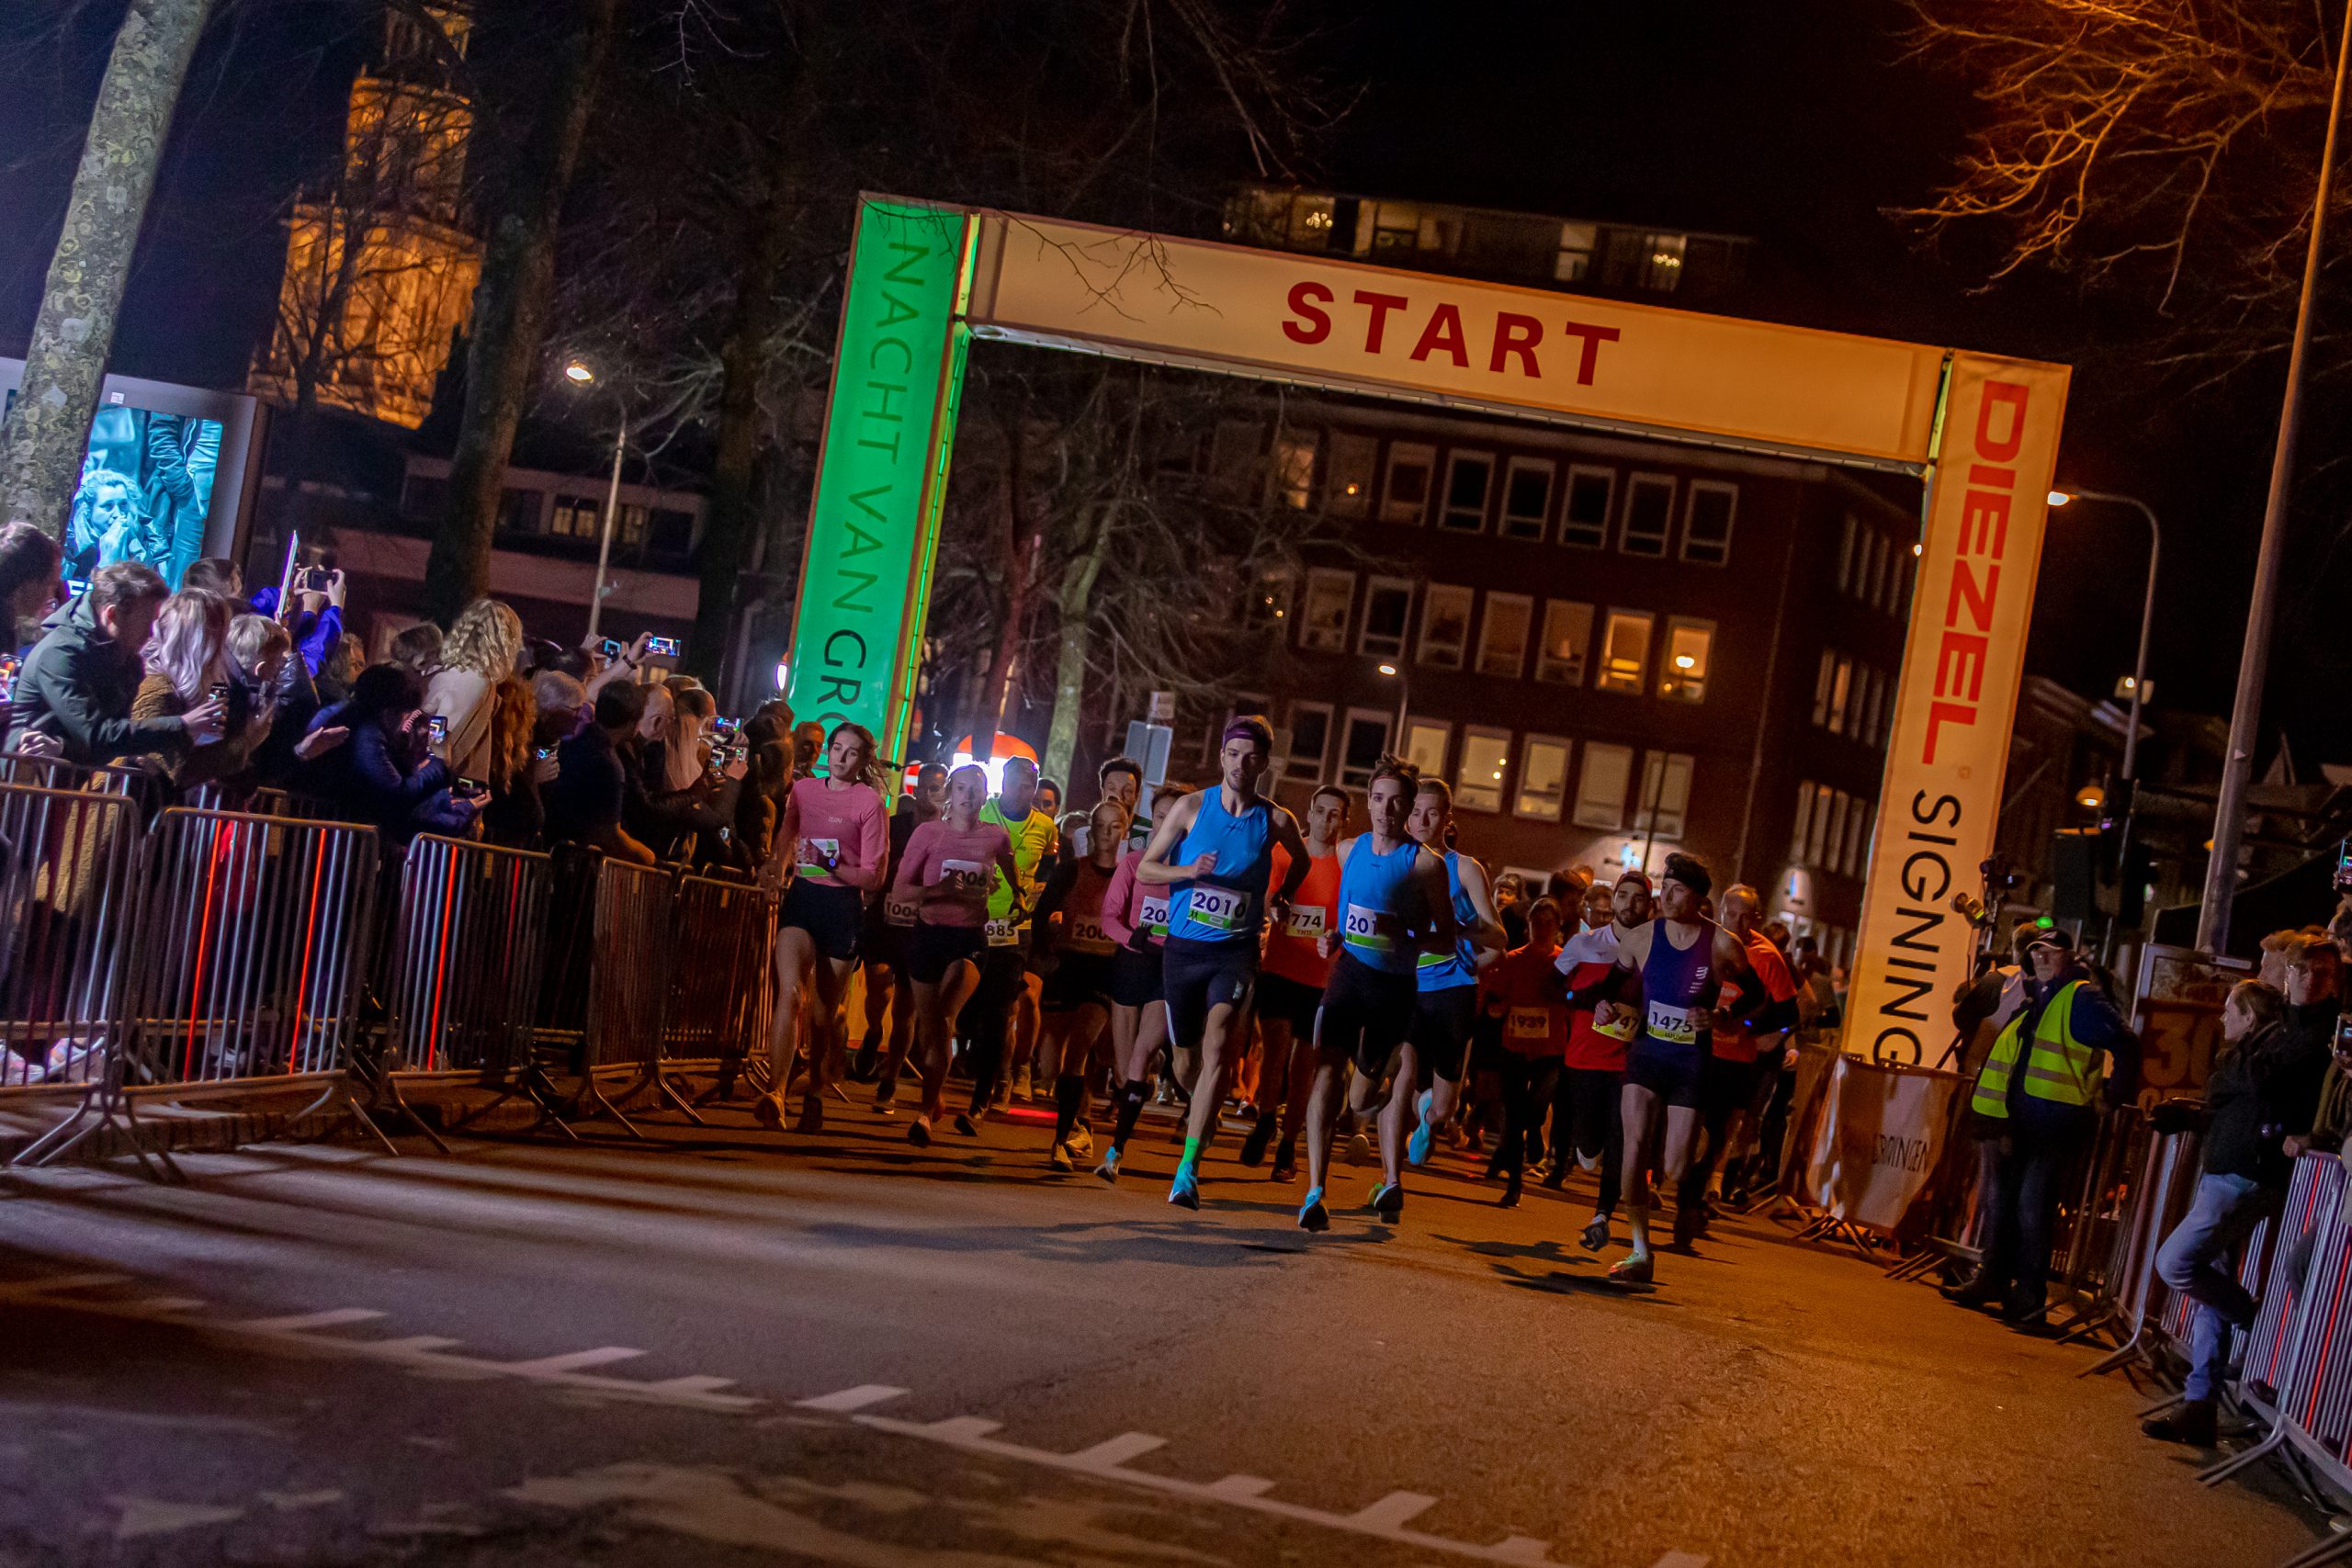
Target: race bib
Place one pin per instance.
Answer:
(1086, 936)
(1004, 933)
(1677, 1026)
(1528, 1023)
(1305, 921)
(1155, 913)
(1367, 929)
(1429, 959)
(958, 872)
(899, 910)
(1620, 1027)
(819, 852)
(1219, 908)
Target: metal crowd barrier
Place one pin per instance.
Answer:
(722, 992)
(629, 983)
(468, 953)
(2166, 1184)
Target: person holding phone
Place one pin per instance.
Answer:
(384, 774)
(78, 683)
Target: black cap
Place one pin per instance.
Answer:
(2056, 938)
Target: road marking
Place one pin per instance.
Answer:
(154, 1516)
(1117, 1450)
(1392, 1511)
(1239, 1488)
(851, 1399)
(301, 1322)
(285, 1502)
(574, 1361)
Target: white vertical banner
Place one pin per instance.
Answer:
(1987, 503)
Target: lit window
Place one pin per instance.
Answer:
(1445, 625)
(631, 530)
(1425, 742)
(1347, 475)
(1543, 777)
(1502, 641)
(1662, 263)
(1584, 517)
(1268, 603)
(1665, 801)
(1600, 788)
(1293, 474)
(1874, 709)
(1813, 845)
(1821, 684)
(1649, 512)
(1803, 820)
(574, 516)
(1408, 496)
(1568, 632)
(1706, 528)
(1832, 840)
(1575, 259)
(1388, 611)
(1485, 753)
(1683, 675)
(1624, 650)
(1842, 691)
(1310, 736)
(1468, 477)
(1527, 498)
(1366, 743)
(1323, 625)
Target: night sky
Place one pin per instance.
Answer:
(1797, 125)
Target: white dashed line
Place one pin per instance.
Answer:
(851, 1399)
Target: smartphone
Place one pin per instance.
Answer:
(662, 647)
(438, 727)
(609, 649)
(544, 752)
(220, 691)
(77, 586)
(7, 675)
(471, 786)
(727, 726)
(318, 580)
(2343, 867)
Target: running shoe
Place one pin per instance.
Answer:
(1080, 1140)
(968, 1123)
(885, 1092)
(1595, 1234)
(1059, 1159)
(1635, 1268)
(1003, 1095)
(1021, 1086)
(1588, 1163)
(1387, 1202)
(1312, 1215)
(1557, 1176)
(1254, 1148)
(1510, 1193)
(812, 1116)
(1359, 1149)
(919, 1131)
(1285, 1160)
(768, 1111)
(865, 1060)
(1109, 1170)
(1688, 1225)
(1417, 1147)
(1185, 1190)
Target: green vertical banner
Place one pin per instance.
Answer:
(882, 469)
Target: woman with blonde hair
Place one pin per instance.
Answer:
(480, 650)
(185, 661)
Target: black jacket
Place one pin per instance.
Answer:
(2263, 1089)
(77, 684)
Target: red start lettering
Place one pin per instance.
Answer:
(1511, 341)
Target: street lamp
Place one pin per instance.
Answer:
(1404, 693)
(581, 375)
(2139, 682)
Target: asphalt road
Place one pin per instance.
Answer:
(736, 1348)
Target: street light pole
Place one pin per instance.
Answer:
(1395, 671)
(2245, 712)
(2147, 614)
(605, 538)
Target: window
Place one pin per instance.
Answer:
(520, 511)
(1873, 562)
(1898, 581)
(1840, 694)
(575, 516)
(1293, 474)
(1388, 611)
(1624, 652)
(1832, 840)
(1666, 794)
(1502, 641)
(632, 519)
(1804, 822)
(1706, 525)
(1233, 451)
(672, 533)
(1269, 604)
(1821, 684)
(1543, 777)
(1425, 742)
(1347, 475)
(1527, 498)
(1408, 496)
(1310, 738)
(1568, 632)
(1574, 262)
(1845, 557)
(1445, 625)
(1485, 755)
(1468, 477)
(1649, 512)
(1584, 517)
(1857, 839)
(1683, 676)
(1366, 743)
(1600, 789)
(1813, 849)
(1662, 266)
(1874, 709)
(1329, 596)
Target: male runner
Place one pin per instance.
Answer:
(987, 1019)
(1765, 1008)
(1676, 963)
(1290, 989)
(1590, 1124)
(1213, 848)
(1446, 1007)
(1394, 904)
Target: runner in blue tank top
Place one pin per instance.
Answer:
(1393, 907)
(1214, 849)
(1682, 959)
(1446, 1008)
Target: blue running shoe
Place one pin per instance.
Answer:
(1109, 1170)
(1185, 1190)
(1416, 1147)
(1312, 1215)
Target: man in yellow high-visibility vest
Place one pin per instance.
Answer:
(2038, 1086)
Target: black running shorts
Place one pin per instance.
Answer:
(1364, 1014)
(1441, 1030)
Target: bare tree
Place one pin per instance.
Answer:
(42, 445)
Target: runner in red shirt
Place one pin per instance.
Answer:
(1765, 1007)
(1594, 1068)
(1290, 986)
(1535, 1038)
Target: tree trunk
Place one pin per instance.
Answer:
(1019, 567)
(1070, 672)
(509, 309)
(743, 366)
(40, 450)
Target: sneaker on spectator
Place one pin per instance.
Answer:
(768, 1110)
(1021, 1084)
(1081, 1142)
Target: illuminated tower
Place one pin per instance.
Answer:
(379, 264)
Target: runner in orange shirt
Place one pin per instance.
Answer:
(1290, 986)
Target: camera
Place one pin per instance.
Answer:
(662, 647)
(317, 579)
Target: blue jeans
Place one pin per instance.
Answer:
(2193, 1262)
